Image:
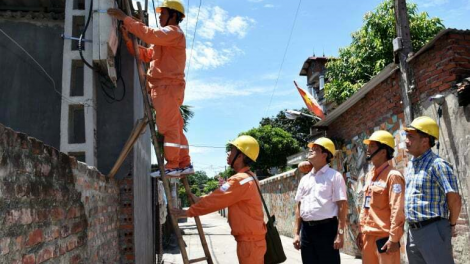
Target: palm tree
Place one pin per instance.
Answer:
(187, 114)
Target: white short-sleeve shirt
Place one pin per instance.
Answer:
(318, 193)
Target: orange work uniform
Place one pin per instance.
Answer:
(165, 76)
(385, 216)
(245, 215)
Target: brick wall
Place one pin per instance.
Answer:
(442, 66)
(53, 208)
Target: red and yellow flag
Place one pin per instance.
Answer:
(311, 103)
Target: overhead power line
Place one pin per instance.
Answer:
(45, 72)
(205, 146)
(194, 37)
(283, 57)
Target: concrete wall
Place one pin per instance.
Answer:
(53, 208)
(28, 102)
(279, 193)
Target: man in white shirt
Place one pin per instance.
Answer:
(321, 207)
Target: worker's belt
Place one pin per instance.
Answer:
(319, 222)
(424, 223)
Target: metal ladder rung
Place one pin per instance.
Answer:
(197, 260)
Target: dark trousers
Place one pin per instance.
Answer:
(316, 243)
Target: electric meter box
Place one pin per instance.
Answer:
(105, 38)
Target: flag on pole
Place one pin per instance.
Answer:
(310, 102)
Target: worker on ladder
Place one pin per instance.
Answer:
(241, 196)
(165, 76)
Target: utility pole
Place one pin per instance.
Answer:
(402, 48)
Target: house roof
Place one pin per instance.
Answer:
(380, 77)
(303, 71)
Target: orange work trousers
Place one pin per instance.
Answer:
(251, 252)
(370, 254)
(167, 100)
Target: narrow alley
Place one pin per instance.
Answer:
(223, 246)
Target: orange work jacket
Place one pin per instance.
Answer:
(166, 53)
(386, 215)
(245, 212)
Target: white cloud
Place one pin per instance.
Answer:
(206, 56)
(268, 6)
(214, 20)
(239, 26)
(199, 90)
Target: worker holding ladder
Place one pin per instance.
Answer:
(241, 196)
(165, 78)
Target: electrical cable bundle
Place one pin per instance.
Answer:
(105, 81)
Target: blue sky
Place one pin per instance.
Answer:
(238, 50)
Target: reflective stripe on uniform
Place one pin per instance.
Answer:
(246, 180)
(166, 144)
(184, 146)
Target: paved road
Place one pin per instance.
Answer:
(223, 246)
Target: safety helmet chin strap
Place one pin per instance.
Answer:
(369, 158)
(234, 159)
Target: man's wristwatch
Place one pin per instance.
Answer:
(340, 231)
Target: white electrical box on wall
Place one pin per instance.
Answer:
(105, 38)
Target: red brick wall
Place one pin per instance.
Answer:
(375, 108)
(53, 207)
(441, 67)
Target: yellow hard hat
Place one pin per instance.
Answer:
(383, 137)
(426, 125)
(324, 142)
(171, 4)
(247, 145)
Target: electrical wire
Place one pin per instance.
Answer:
(192, 44)
(45, 72)
(283, 57)
(205, 146)
(80, 39)
(105, 81)
(155, 13)
(187, 18)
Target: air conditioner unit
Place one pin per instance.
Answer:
(105, 38)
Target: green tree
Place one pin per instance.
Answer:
(371, 49)
(298, 128)
(199, 178)
(227, 173)
(187, 114)
(275, 146)
(210, 186)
